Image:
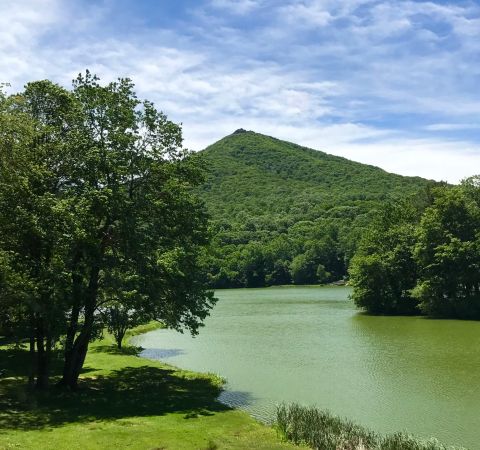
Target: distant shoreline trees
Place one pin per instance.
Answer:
(97, 210)
(423, 258)
(308, 254)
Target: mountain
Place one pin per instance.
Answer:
(285, 213)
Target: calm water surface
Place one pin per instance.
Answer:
(310, 345)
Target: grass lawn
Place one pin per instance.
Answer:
(124, 402)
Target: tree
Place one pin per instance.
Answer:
(101, 204)
(118, 319)
(383, 271)
(322, 275)
(448, 253)
(423, 256)
(303, 269)
(33, 218)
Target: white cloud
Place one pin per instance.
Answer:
(451, 126)
(428, 158)
(326, 74)
(314, 14)
(236, 6)
(21, 21)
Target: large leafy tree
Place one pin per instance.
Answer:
(448, 253)
(97, 206)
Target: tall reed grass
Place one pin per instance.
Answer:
(323, 431)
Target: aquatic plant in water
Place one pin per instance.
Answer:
(322, 430)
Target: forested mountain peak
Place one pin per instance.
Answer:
(271, 196)
(256, 145)
(253, 163)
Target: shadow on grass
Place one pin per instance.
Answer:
(15, 362)
(129, 392)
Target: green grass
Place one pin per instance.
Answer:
(322, 430)
(123, 402)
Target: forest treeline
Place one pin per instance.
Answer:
(423, 259)
(286, 214)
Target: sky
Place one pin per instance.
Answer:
(393, 83)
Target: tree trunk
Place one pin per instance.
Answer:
(72, 327)
(76, 297)
(75, 357)
(74, 361)
(119, 338)
(31, 351)
(42, 357)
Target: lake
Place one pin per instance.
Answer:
(310, 345)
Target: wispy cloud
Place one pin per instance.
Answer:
(452, 126)
(387, 82)
(236, 6)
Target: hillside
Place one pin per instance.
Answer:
(281, 210)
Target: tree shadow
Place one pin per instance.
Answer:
(15, 362)
(114, 350)
(131, 391)
(236, 399)
(161, 353)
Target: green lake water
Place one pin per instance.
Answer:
(310, 345)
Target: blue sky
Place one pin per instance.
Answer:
(392, 83)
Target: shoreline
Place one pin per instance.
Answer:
(125, 401)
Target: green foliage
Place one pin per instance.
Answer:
(383, 272)
(322, 430)
(303, 270)
(402, 441)
(97, 205)
(119, 318)
(280, 211)
(448, 253)
(423, 256)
